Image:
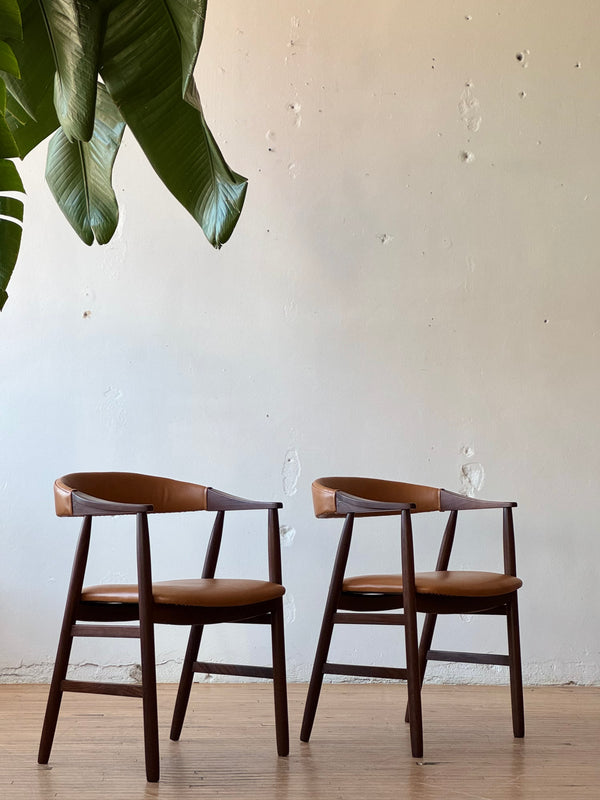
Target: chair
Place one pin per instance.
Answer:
(361, 599)
(195, 602)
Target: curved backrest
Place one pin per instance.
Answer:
(163, 494)
(324, 491)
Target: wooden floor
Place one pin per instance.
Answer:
(359, 749)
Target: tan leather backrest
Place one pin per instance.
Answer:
(426, 498)
(129, 487)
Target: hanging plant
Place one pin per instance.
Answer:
(83, 70)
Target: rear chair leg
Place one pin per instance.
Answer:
(185, 682)
(333, 598)
(424, 647)
(316, 680)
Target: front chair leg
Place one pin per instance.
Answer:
(147, 650)
(150, 711)
(65, 642)
(279, 680)
(516, 678)
(54, 698)
(411, 638)
(414, 690)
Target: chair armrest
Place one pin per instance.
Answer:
(451, 501)
(350, 504)
(220, 501)
(85, 505)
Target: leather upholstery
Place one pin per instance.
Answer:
(163, 494)
(447, 584)
(203, 592)
(324, 490)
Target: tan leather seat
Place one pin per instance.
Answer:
(449, 584)
(205, 592)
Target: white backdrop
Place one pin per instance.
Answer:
(412, 292)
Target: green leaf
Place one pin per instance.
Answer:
(8, 62)
(188, 17)
(8, 146)
(142, 71)
(35, 59)
(75, 31)
(10, 180)
(28, 132)
(10, 230)
(10, 19)
(10, 241)
(80, 174)
(11, 207)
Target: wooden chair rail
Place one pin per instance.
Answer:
(365, 671)
(244, 670)
(356, 618)
(97, 687)
(468, 658)
(108, 631)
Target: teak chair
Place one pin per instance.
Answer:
(361, 599)
(195, 602)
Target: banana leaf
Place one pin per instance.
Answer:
(8, 146)
(10, 230)
(34, 55)
(74, 28)
(8, 61)
(79, 174)
(146, 51)
(28, 132)
(188, 18)
(10, 20)
(141, 68)
(10, 242)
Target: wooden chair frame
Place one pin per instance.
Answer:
(369, 609)
(79, 614)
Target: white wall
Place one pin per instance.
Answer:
(413, 287)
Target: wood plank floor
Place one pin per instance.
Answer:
(359, 749)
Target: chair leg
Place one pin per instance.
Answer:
(331, 606)
(516, 678)
(150, 705)
(149, 699)
(424, 647)
(414, 687)
(316, 679)
(55, 696)
(65, 642)
(279, 681)
(186, 680)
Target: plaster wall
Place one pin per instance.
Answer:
(412, 292)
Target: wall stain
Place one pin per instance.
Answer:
(290, 472)
(468, 108)
(471, 478)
